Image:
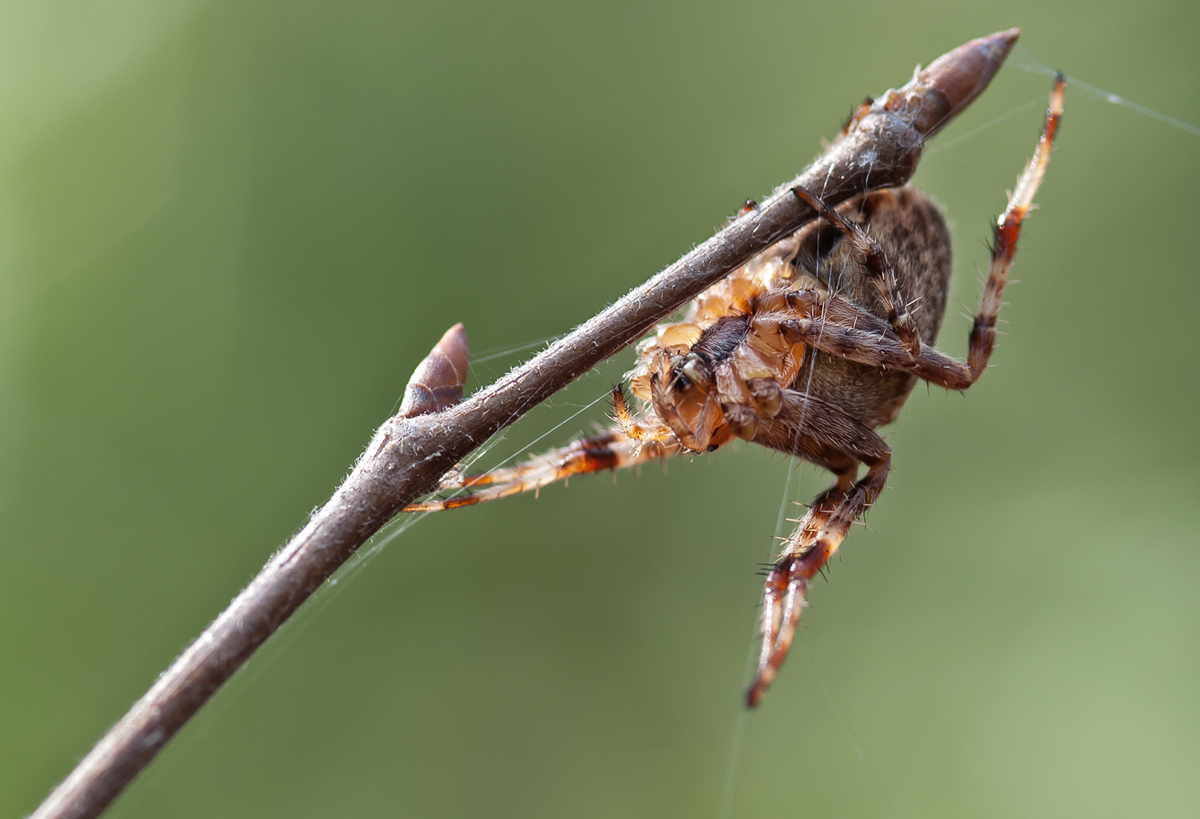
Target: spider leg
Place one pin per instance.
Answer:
(818, 432)
(1008, 228)
(777, 621)
(838, 326)
(835, 325)
(608, 450)
(880, 269)
(629, 444)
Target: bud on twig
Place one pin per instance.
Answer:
(437, 382)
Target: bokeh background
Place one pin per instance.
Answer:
(230, 230)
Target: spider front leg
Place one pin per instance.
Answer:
(837, 326)
(631, 443)
(820, 433)
(879, 268)
(1008, 228)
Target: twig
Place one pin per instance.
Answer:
(410, 452)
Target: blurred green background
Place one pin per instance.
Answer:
(230, 230)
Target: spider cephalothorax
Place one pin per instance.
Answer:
(721, 372)
(805, 349)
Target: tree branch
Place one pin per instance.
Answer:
(880, 147)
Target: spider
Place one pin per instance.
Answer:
(806, 349)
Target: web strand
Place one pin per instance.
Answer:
(1037, 66)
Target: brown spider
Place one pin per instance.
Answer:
(806, 349)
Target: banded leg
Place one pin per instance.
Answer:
(1008, 228)
(630, 444)
(817, 432)
(783, 597)
(608, 450)
(880, 269)
(837, 326)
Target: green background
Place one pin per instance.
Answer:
(230, 230)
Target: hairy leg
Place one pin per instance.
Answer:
(837, 326)
(632, 443)
(1008, 229)
(817, 432)
(879, 269)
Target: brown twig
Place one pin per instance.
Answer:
(410, 452)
